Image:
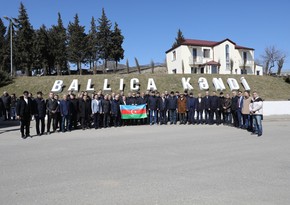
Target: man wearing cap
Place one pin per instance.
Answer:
(39, 111)
(24, 112)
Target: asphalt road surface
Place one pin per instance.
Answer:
(150, 165)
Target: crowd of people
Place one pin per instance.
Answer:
(85, 111)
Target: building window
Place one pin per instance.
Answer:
(258, 72)
(228, 66)
(174, 55)
(206, 53)
(227, 53)
(174, 71)
(194, 53)
(245, 56)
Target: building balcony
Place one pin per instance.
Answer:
(195, 61)
(248, 63)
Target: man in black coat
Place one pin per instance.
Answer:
(106, 108)
(74, 111)
(153, 107)
(214, 108)
(39, 111)
(234, 108)
(24, 112)
(163, 109)
(51, 107)
(85, 112)
(206, 100)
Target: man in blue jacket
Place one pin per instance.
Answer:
(65, 112)
(153, 107)
(172, 107)
(199, 108)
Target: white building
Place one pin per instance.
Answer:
(223, 57)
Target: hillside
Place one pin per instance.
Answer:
(269, 88)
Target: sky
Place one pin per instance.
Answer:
(150, 26)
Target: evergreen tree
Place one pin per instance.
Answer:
(24, 41)
(41, 49)
(2, 45)
(104, 38)
(117, 51)
(179, 39)
(92, 45)
(77, 43)
(58, 44)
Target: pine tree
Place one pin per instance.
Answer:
(137, 65)
(179, 39)
(104, 38)
(24, 41)
(77, 43)
(41, 49)
(92, 45)
(117, 51)
(2, 45)
(58, 41)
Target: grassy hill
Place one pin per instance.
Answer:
(269, 88)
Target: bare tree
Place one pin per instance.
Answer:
(232, 65)
(152, 66)
(271, 55)
(280, 64)
(137, 65)
(127, 65)
(182, 66)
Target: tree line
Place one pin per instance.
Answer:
(50, 50)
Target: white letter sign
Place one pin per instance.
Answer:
(134, 84)
(233, 83)
(57, 86)
(106, 85)
(203, 84)
(151, 84)
(121, 88)
(186, 85)
(218, 84)
(89, 85)
(245, 83)
(74, 86)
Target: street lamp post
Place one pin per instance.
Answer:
(11, 46)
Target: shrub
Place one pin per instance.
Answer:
(5, 78)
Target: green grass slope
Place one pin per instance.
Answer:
(269, 88)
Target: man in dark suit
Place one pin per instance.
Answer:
(74, 111)
(163, 109)
(153, 107)
(190, 106)
(39, 111)
(214, 107)
(24, 112)
(234, 108)
(51, 107)
(199, 108)
(172, 107)
(207, 111)
(85, 112)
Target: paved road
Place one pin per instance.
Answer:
(158, 165)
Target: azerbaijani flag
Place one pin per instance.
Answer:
(133, 111)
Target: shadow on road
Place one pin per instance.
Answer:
(8, 126)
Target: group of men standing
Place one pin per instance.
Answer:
(99, 110)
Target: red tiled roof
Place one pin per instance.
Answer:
(213, 63)
(205, 43)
